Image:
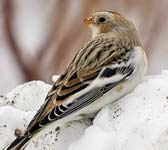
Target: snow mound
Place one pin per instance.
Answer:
(138, 121)
(18, 108)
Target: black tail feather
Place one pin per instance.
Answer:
(19, 143)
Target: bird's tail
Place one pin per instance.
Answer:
(19, 143)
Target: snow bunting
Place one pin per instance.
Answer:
(108, 67)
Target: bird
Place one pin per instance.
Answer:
(106, 68)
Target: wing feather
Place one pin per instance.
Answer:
(84, 100)
(79, 75)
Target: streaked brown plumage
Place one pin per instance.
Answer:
(110, 53)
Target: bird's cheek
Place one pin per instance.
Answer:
(105, 28)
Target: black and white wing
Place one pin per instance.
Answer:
(90, 64)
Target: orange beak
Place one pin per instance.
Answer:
(88, 20)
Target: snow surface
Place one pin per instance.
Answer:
(138, 121)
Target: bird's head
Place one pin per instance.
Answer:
(106, 21)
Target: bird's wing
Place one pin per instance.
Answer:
(98, 60)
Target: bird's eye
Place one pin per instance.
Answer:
(102, 19)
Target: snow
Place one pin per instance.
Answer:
(138, 121)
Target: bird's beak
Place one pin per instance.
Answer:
(88, 20)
